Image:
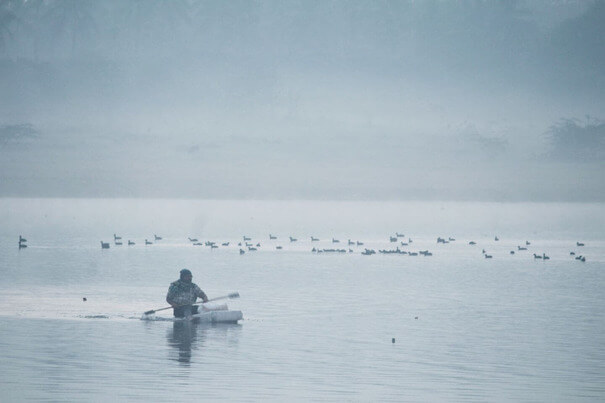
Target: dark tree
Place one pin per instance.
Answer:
(574, 140)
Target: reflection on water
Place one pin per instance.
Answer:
(186, 337)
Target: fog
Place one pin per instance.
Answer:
(322, 100)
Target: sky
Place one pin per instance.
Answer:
(319, 100)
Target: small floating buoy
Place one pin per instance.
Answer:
(416, 317)
(393, 340)
(84, 299)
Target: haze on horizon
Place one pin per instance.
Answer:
(352, 100)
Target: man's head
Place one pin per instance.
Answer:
(186, 275)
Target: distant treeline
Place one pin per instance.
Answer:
(574, 140)
(463, 34)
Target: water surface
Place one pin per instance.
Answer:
(317, 326)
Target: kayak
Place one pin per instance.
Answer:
(215, 317)
(209, 313)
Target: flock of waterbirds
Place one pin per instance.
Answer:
(117, 240)
(400, 241)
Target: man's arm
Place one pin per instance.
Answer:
(201, 294)
(170, 296)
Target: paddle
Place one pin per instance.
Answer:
(230, 296)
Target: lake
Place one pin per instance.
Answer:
(329, 326)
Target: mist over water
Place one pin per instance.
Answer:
(303, 100)
(65, 226)
(53, 219)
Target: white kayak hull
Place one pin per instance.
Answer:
(209, 313)
(216, 317)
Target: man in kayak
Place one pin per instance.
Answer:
(183, 293)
